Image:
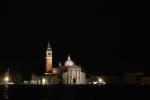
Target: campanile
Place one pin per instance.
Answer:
(48, 59)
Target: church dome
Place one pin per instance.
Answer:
(69, 62)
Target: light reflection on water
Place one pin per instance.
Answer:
(58, 92)
(6, 92)
(27, 92)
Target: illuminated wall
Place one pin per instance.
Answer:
(48, 59)
(57, 71)
(74, 76)
(48, 64)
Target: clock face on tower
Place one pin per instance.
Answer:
(49, 53)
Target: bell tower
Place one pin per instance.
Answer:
(48, 59)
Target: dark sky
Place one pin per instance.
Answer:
(146, 16)
(99, 38)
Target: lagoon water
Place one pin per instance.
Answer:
(73, 92)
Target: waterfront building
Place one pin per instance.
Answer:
(69, 73)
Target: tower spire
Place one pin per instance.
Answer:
(48, 59)
(60, 64)
(48, 46)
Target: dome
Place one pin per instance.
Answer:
(69, 62)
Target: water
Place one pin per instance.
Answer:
(72, 92)
(5, 92)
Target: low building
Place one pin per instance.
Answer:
(105, 79)
(132, 78)
(46, 79)
(145, 80)
(123, 79)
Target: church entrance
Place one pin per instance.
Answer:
(74, 80)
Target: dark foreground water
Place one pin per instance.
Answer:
(73, 92)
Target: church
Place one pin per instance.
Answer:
(69, 73)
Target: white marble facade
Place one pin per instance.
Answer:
(73, 73)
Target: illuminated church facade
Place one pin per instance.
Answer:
(69, 73)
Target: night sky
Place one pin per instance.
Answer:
(100, 39)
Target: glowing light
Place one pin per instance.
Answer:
(6, 79)
(100, 80)
(95, 83)
(43, 81)
(104, 83)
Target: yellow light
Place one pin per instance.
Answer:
(104, 83)
(100, 80)
(6, 79)
(43, 81)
